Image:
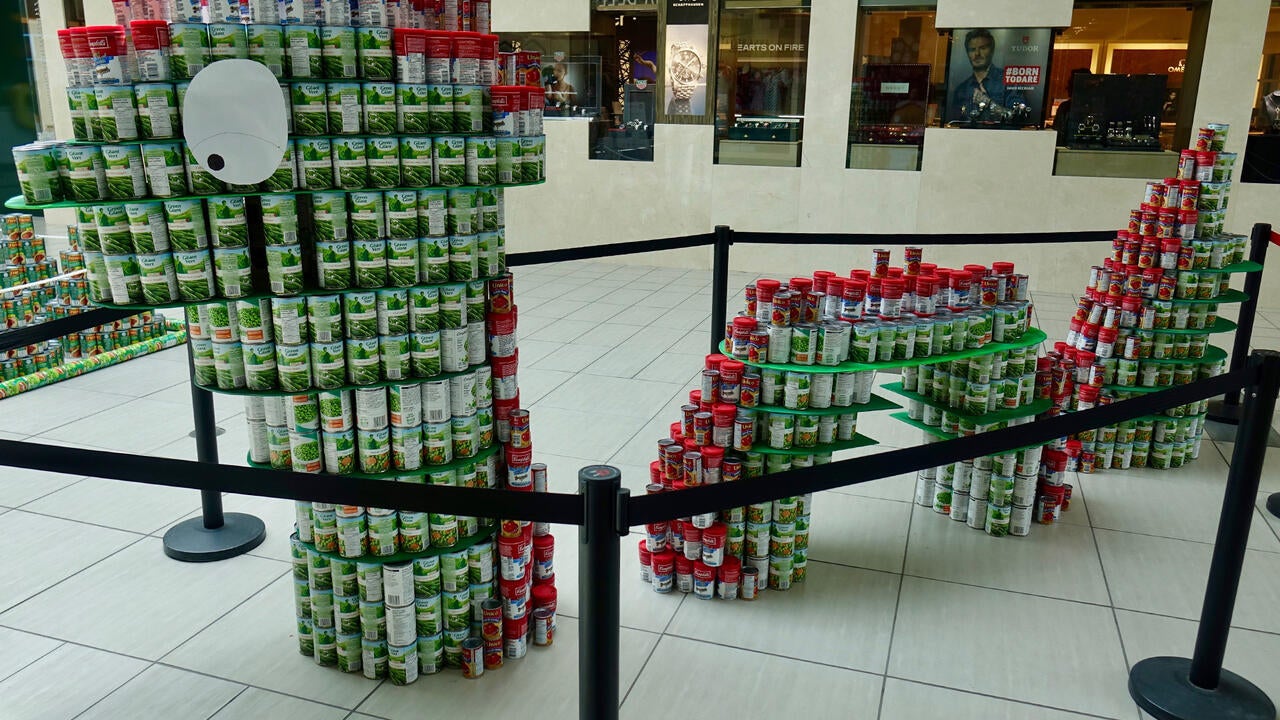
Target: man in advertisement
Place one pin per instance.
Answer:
(985, 86)
(996, 76)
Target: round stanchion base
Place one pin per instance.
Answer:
(1220, 411)
(191, 541)
(1162, 687)
(1273, 504)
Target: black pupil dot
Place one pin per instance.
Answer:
(216, 162)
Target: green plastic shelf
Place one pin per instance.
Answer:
(18, 202)
(1221, 325)
(1212, 354)
(400, 557)
(1241, 267)
(943, 434)
(876, 403)
(293, 136)
(272, 296)
(1136, 389)
(1230, 296)
(392, 474)
(1033, 336)
(311, 391)
(858, 441)
(996, 416)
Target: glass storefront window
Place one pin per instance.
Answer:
(1262, 154)
(603, 77)
(899, 79)
(1141, 51)
(760, 84)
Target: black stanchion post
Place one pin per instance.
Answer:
(214, 535)
(1171, 688)
(604, 522)
(720, 285)
(1227, 410)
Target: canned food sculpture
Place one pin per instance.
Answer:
(358, 297)
(1148, 311)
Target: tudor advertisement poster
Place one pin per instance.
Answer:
(684, 65)
(997, 76)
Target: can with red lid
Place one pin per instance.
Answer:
(704, 580)
(730, 578)
(515, 634)
(712, 462)
(544, 627)
(507, 102)
(544, 547)
(151, 46)
(465, 66)
(521, 435)
(108, 52)
(722, 416)
(1204, 165)
(410, 48)
(713, 544)
(511, 562)
(663, 571)
(488, 57)
(438, 57)
(1190, 194)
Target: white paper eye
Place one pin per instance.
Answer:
(235, 121)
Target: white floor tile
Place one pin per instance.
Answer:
(1168, 577)
(136, 507)
(545, 682)
(531, 351)
(1189, 505)
(1273, 522)
(858, 531)
(614, 396)
(609, 334)
(839, 616)
(1056, 560)
(905, 700)
(19, 486)
(143, 603)
(134, 426)
(42, 551)
(559, 331)
(535, 383)
(641, 608)
(257, 644)
(578, 434)
(21, 649)
(12, 436)
(49, 407)
(254, 703)
(1249, 654)
(571, 357)
(672, 367)
(83, 676)
(136, 378)
(641, 448)
(1270, 478)
(983, 641)
(165, 692)
(685, 676)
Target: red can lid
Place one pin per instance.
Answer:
(730, 570)
(1089, 393)
(695, 397)
(732, 367)
(678, 485)
(544, 594)
(1189, 184)
(722, 411)
(664, 557)
(713, 361)
(801, 284)
(1107, 334)
(768, 285)
(684, 565)
(703, 571)
(716, 530)
(1084, 358)
(894, 272)
(677, 428)
(645, 555)
(542, 542)
(690, 445)
(1002, 267)
(977, 270)
(855, 287)
(712, 456)
(690, 532)
(744, 323)
(862, 275)
(834, 285)
(1188, 216)
(944, 276)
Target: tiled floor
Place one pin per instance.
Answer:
(906, 615)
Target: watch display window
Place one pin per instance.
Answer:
(1262, 151)
(763, 59)
(899, 86)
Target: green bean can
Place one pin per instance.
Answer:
(305, 55)
(228, 223)
(363, 361)
(393, 311)
(232, 271)
(333, 261)
(433, 213)
(83, 105)
(481, 161)
(159, 279)
(452, 305)
(440, 108)
(449, 156)
(383, 160)
(315, 163)
(87, 181)
(285, 177)
(310, 108)
(529, 167)
(125, 173)
(509, 164)
(228, 41)
(166, 173)
(157, 110)
(368, 215)
(113, 229)
(415, 162)
(433, 259)
(199, 180)
(468, 108)
(350, 163)
(328, 364)
(413, 109)
(395, 357)
(266, 46)
(376, 62)
(488, 207)
(379, 108)
(117, 112)
(425, 353)
(195, 276)
(293, 367)
(330, 217)
(338, 52)
(228, 363)
(402, 214)
(260, 365)
(188, 50)
(361, 314)
(371, 263)
(147, 227)
(344, 108)
(284, 269)
(402, 666)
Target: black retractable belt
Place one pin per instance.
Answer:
(55, 329)
(866, 240)
(591, 252)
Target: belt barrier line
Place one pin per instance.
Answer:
(776, 238)
(508, 504)
(589, 252)
(710, 498)
(54, 329)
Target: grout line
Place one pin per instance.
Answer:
(897, 603)
(38, 659)
(82, 522)
(246, 685)
(81, 644)
(997, 697)
(237, 606)
(224, 705)
(41, 497)
(649, 657)
(1102, 566)
(114, 690)
(56, 584)
(368, 695)
(776, 655)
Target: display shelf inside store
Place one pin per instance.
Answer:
(295, 135)
(454, 464)
(1137, 389)
(1230, 296)
(271, 296)
(1246, 266)
(403, 557)
(995, 416)
(309, 391)
(1212, 354)
(1221, 325)
(943, 434)
(876, 403)
(858, 441)
(1033, 336)
(17, 202)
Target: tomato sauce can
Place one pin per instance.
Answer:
(472, 658)
(544, 626)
